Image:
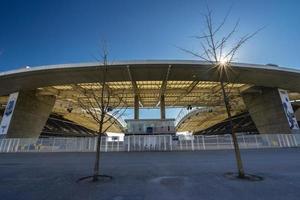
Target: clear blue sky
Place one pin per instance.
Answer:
(40, 32)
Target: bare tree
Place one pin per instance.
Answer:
(102, 105)
(220, 49)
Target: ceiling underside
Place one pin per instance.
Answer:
(177, 93)
(205, 94)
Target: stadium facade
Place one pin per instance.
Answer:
(268, 94)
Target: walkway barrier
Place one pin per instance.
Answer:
(148, 143)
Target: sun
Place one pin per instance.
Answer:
(223, 61)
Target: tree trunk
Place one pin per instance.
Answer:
(97, 160)
(234, 138)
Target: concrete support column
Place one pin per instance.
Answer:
(30, 115)
(297, 113)
(162, 107)
(136, 107)
(266, 110)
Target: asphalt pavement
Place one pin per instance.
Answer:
(151, 175)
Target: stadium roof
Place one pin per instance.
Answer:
(183, 82)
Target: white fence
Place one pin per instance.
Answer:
(148, 143)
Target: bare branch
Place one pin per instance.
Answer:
(194, 54)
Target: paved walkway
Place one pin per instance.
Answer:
(151, 175)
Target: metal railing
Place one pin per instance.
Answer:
(148, 143)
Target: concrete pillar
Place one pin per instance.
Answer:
(162, 107)
(266, 110)
(136, 107)
(30, 115)
(297, 113)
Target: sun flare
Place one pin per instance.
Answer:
(223, 61)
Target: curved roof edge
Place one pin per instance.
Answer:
(142, 62)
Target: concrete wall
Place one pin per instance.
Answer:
(266, 110)
(30, 115)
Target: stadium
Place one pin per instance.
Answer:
(44, 98)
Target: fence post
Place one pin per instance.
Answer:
(256, 141)
(4, 145)
(171, 143)
(1, 145)
(245, 145)
(165, 143)
(89, 144)
(134, 142)
(12, 145)
(287, 137)
(53, 142)
(180, 144)
(95, 144)
(268, 140)
(198, 142)
(279, 140)
(82, 144)
(91, 147)
(140, 146)
(9, 144)
(203, 142)
(105, 144)
(16, 145)
(128, 143)
(295, 140)
(231, 142)
(39, 144)
(283, 142)
(192, 143)
(290, 140)
(65, 144)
